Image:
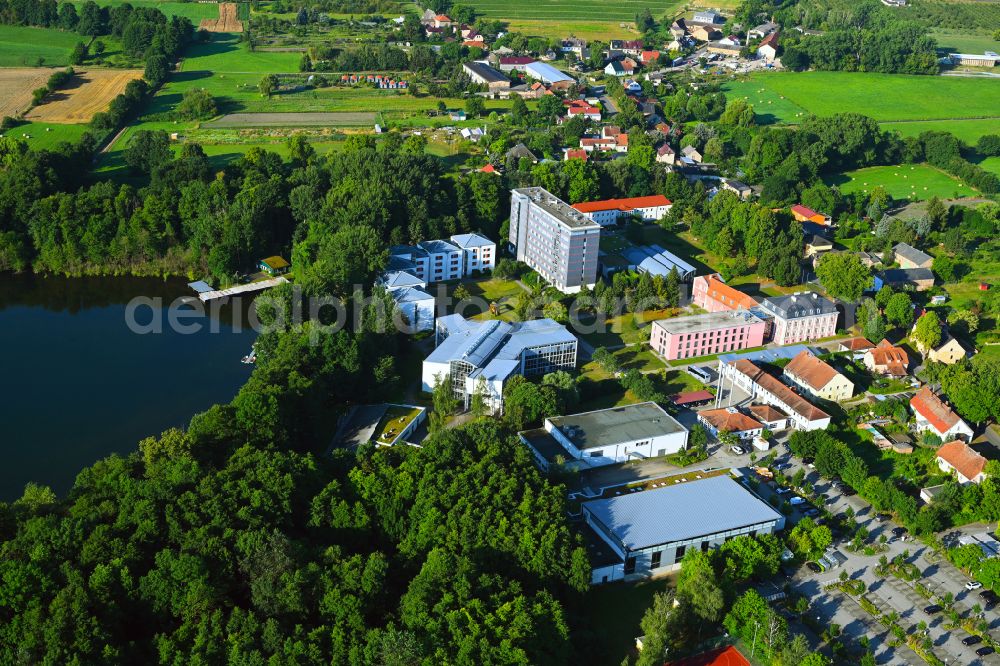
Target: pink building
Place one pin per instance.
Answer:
(800, 317)
(710, 293)
(700, 335)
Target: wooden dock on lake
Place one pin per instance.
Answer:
(241, 289)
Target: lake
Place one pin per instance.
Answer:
(80, 385)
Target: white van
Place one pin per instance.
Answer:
(699, 373)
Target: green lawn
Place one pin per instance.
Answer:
(225, 53)
(964, 42)
(192, 10)
(991, 164)
(770, 106)
(22, 46)
(46, 135)
(908, 181)
(884, 97)
(617, 608)
(968, 131)
(624, 329)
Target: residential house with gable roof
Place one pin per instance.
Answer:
(818, 378)
(887, 360)
(958, 458)
(933, 415)
(908, 256)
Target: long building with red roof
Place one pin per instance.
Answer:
(768, 389)
(710, 293)
(607, 212)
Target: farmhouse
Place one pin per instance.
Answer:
(730, 420)
(958, 458)
(920, 279)
(908, 256)
(483, 74)
(617, 434)
(768, 47)
(948, 352)
(818, 378)
(649, 531)
(608, 211)
(709, 292)
(933, 415)
(887, 360)
(703, 334)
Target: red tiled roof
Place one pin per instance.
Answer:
(773, 385)
(489, 168)
(442, 17)
(929, 406)
(960, 455)
(692, 396)
(767, 412)
(722, 292)
(803, 211)
(771, 40)
(516, 60)
(811, 370)
(730, 421)
(577, 153)
(622, 204)
(856, 344)
(892, 358)
(727, 656)
(649, 55)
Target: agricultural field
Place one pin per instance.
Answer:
(22, 46)
(244, 120)
(40, 136)
(196, 11)
(573, 10)
(908, 181)
(884, 97)
(226, 54)
(227, 20)
(16, 86)
(89, 92)
(967, 131)
(991, 164)
(964, 42)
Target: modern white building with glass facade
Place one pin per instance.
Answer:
(649, 531)
(554, 239)
(480, 356)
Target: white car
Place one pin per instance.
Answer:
(973, 585)
(738, 450)
(795, 501)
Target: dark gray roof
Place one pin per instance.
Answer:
(911, 253)
(616, 425)
(802, 304)
(904, 275)
(485, 71)
(519, 151)
(681, 511)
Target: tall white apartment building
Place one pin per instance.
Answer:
(554, 239)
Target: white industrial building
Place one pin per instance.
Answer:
(483, 355)
(618, 434)
(546, 73)
(645, 533)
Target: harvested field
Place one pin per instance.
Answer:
(240, 120)
(16, 86)
(227, 21)
(89, 92)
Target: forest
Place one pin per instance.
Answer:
(233, 540)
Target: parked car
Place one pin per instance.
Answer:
(985, 650)
(898, 531)
(811, 513)
(973, 585)
(971, 640)
(795, 501)
(814, 567)
(783, 490)
(933, 609)
(738, 450)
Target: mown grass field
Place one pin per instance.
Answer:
(573, 10)
(968, 131)
(964, 42)
(884, 97)
(22, 46)
(225, 53)
(908, 181)
(46, 135)
(192, 10)
(991, 164)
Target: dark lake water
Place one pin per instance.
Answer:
(78, 384)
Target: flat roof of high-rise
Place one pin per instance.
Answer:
(615, 425)
(558, 208)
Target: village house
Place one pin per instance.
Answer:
(620, 68)
(920, 279)
(958, 458)
(691, 154)
(855, 345)
(705, 33)
(948, 352)
(768, 47)
(632, 47)
(520, 152)
(579, 107)
(908, 256)
(707, 17)
(742, 190)
(818, 378)
(804, 214)
(817, 245)
(762, 30)
(647, 57)
(575, 154)
(730, 420)
(665, 154)
(933, 415)
(887, 360)
(574, 45)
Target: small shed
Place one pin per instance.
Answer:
(274, 265)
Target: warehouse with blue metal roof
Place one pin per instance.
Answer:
(651, 530)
